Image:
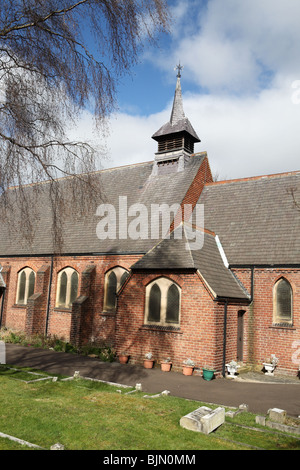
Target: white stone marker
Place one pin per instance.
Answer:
(277, 415)
(2, 353)
(203, 419)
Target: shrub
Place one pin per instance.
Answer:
(103, 352)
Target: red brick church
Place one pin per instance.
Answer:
(235, 297)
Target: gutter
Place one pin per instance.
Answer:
(47, 255)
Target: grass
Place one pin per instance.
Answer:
(86, 415)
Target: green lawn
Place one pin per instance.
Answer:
(86, 415)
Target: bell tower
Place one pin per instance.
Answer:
(177, 137)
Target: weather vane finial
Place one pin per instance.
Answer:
(179, 68)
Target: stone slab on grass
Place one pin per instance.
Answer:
(203, 419)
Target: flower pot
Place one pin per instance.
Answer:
(165, 366)
(208, 374)
(187, 370)
(269, 368)
(232, 370)
(148, 364)
(123, 359)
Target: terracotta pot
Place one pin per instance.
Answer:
(123, 359)
(187, 370)
(165, 366)
(148, 364)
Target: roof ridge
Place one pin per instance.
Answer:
(253, 178)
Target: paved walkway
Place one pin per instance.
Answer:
(259, 392)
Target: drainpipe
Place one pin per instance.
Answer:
(252, 283)
(49, 295)
(224, 337)
(2, 306)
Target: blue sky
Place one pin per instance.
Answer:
(240, 83)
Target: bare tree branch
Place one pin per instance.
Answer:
(57, 58)
(296, 203)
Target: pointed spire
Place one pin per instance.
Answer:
(177, 135)
(177, 110)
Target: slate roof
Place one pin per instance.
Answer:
(134, 181)
(171, 254)
(181, 126)
(256, 219)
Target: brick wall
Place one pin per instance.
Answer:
(200, 335)
(36, 310)
(93, 322)
(262, 338)
(195, 337)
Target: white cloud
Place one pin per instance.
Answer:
(243, 137)
(247, 137)
(233, 43)
(247, 57)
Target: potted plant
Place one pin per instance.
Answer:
(232, 368)
(188, 367)
(270, 364)
(123, 357)
(148, 361)
(208, 373)
(166, 364)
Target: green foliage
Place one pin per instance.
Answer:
(103, 352)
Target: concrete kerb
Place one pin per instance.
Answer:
(20, 441)
(279, 420)
(78, 376)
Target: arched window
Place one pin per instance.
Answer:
(162, 305)
(173, 299)
(114, 279)
(154, 303)
(67, 287)
(283, 302)
(25, 288)
(74, 287)
(111, 290)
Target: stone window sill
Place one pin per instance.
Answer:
(108, 313)
(282, 326)
(161, 328)
(63, 309)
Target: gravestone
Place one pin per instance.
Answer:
(277, 415)
(203, 419)
(2, 353)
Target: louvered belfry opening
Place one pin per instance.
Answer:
(176, 142)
